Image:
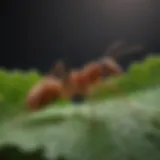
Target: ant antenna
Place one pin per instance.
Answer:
(119, 48)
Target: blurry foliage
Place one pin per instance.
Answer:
(126, 128)
(14, 86)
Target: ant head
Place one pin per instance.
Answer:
(111, 67)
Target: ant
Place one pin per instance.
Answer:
(75, 84)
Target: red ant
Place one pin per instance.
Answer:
(62, 84)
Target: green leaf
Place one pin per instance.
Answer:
(123, 128)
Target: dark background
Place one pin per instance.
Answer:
(35, 33)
